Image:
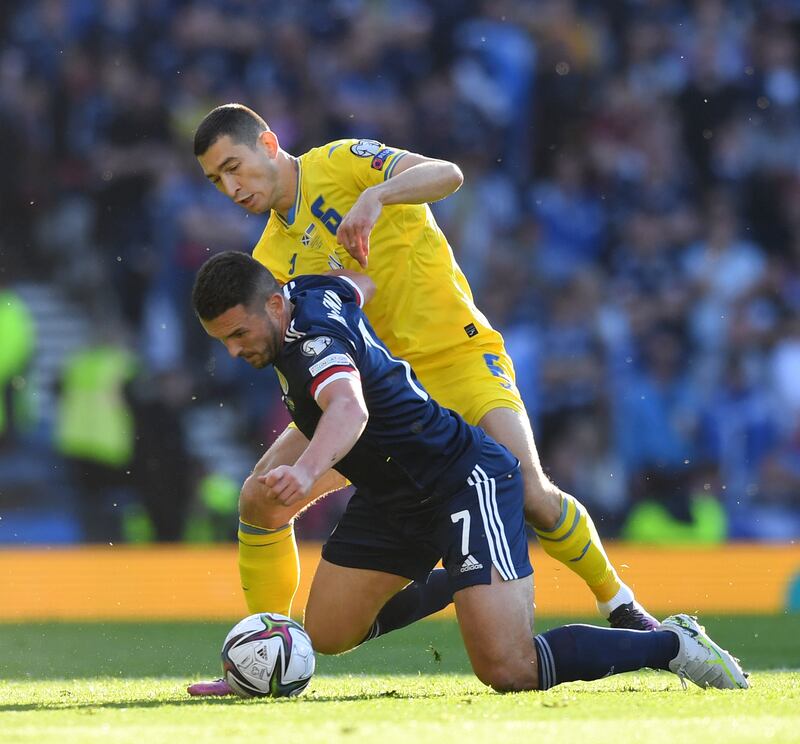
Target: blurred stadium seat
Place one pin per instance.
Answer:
(630, 219)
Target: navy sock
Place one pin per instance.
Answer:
(587, 652)
(419, 599)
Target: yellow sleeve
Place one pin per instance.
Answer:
(368, 162)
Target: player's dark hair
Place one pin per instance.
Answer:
(228, 279)
(241, 124)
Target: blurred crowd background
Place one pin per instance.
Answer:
(630, 219)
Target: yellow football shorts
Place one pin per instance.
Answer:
(476, 380)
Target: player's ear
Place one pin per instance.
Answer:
(274, 304)
(269, 141)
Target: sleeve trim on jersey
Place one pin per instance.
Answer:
(397, 158)
(357, 289)
(318, 384)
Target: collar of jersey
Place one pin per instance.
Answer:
(287, 293)
(289, 220)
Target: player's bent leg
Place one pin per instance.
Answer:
(679, 645)
(485, 551)
(269, 567)
(542, 498)
(496, 622)
(563, 525)
(256, 507)
(418, 600)
(268, 561)
(343, 603)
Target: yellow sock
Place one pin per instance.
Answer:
(269, 567)
(575, 543)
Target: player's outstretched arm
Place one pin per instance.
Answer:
(344, 416)
(415, 180)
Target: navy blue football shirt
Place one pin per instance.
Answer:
(413, 453)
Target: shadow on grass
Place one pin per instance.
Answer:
(228, 701)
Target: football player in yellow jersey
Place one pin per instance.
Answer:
(358, 204)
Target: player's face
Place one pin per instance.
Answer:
(246, 175)
(250, 334)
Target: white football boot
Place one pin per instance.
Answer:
(701, 660)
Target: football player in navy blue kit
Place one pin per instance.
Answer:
(428, 487)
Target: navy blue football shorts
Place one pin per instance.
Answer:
(480, 526)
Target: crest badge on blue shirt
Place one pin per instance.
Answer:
(315, 346)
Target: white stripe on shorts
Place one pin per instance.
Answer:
(474, 482)
(499, 522)
(498, 546)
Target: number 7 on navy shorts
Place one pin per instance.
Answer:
(486, 528)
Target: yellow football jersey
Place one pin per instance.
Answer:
(423, 308)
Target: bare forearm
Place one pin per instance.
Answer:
(286, 450)
(422, 183)
(338, 430)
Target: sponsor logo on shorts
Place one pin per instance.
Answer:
(470, 564)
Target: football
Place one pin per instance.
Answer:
(267, 655)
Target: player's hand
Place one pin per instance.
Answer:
(288, 483)
(355, 228)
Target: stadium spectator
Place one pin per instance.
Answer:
(95, 434)
(651, 144)
(18, 331)
(161, 468)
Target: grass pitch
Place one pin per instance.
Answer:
(125, 682)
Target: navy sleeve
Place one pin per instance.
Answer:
(318, 360)
(326, 342)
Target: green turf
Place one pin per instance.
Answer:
(124, 682)
(649, 708)
(60, 650)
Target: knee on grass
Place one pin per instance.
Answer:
(508, 677)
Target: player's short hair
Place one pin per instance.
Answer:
(229, 279)
(240, 123)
